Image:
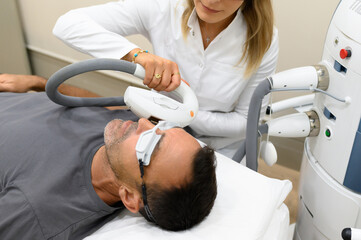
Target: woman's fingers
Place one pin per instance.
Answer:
(160, 74)
(149, 67)
(175, 78)
(175, 82)
(157, 76)
(165, 81)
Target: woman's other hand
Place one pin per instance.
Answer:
(160, 74)
(21, 83)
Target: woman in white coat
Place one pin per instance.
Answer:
(222, 48)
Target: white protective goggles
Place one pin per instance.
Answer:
(149, 139)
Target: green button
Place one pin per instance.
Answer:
(328, 133)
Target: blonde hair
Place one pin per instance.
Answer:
(259, 18)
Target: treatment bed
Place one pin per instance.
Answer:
(248, 206)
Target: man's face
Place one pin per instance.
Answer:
(171, 160)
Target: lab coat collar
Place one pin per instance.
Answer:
(193, 19)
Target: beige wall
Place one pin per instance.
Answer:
(47, 54)
(13, 57)
(302, 29)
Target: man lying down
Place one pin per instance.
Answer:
(65, 172)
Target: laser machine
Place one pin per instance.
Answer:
(330, 184)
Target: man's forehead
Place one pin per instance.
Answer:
(175, 140)
(163, 135)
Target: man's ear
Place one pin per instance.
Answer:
(130, 198)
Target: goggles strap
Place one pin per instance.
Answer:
(141, 168)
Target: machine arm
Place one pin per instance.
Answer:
(305, 77)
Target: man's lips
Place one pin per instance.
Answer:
(125, 126)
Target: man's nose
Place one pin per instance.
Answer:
(144, 125)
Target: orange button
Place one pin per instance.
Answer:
(192, 114)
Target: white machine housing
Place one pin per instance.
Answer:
(330, 185)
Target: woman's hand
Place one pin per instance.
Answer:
(21, 83)
(160, 74)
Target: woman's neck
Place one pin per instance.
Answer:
(210, 31)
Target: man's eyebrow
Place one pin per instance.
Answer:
(157, 146)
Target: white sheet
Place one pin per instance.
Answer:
(278, 228)
(248, 206)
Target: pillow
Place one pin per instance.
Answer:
(244, 209)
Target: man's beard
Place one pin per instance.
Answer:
(110, 134)
(111, 144)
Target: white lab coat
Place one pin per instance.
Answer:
(214, 74)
